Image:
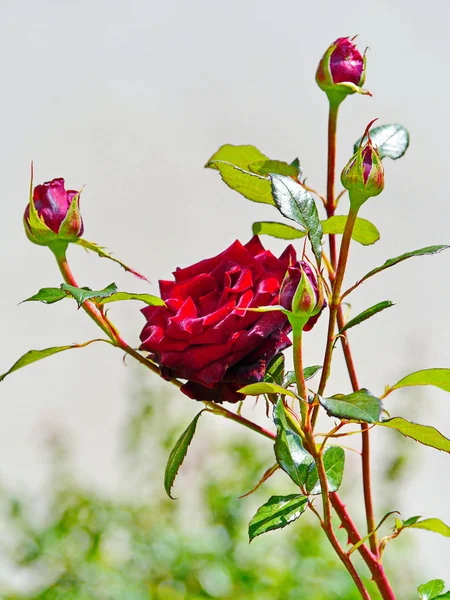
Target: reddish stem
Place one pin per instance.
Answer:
(365, 455)
(371, 560)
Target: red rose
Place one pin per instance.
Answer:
(200, 336)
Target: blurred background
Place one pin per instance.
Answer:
(130, 99)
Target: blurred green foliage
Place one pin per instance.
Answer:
(92, 547)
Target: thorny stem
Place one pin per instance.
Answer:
(371, 560)
(310, 443)
(336, 274)
(365, 455)
(326, 522)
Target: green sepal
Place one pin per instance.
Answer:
(36, 229)
(91, 246)
(70, 228)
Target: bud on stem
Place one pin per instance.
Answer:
(363, 176)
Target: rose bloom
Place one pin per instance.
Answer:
(204, 336)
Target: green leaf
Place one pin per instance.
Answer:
(359, 406)
(257, 389)
(178, 455)
(279, 167)
(34, 355)
(275, 370)
(409, 521)
(308, 373)
(333, 460)
(83, 294)
(147, 298)
(90, 246)
(47, 296)
(297, 204)
(442, 596)
(429, 436)
(253, 187)
(437, 377)
(289, 450)
(52, 295)
(433, 524)
(392, 140)
(366, 314)
(364, 231)
(430, 590)
(278, 512)
(394, 261)
(240, 156)
(277, 230)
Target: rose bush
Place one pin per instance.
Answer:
(203, 335)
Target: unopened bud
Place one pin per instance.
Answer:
(342, 69)
(363, 176)
(53, 214)
(303, 296)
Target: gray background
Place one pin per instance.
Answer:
(131, 98)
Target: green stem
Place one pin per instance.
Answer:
(335, 303)
(331, 170)
(299, 375)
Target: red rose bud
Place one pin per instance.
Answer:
(204, 335)
(53, 214)
(342, 69)
(307, 296)
(363, 176)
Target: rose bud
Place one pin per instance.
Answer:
(307, 301)
(205, 335)
(363, 176)
(342, 69)
(53, 214)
